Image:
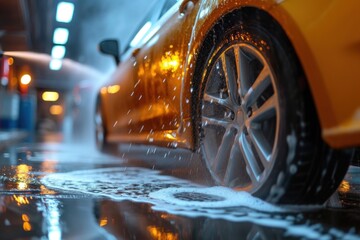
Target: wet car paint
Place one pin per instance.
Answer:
(111, 198)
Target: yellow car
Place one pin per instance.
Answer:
(266, 90)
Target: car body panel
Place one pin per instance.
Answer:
(153, 103)
(151, 111)
(321, 33)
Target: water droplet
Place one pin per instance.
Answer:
(132, 94)
(187, 100)
(191, 90)
(140, 97)
(129, 121)
(142, 128)
(137, 83)
(174, 144)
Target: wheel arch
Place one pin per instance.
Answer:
(200, 47)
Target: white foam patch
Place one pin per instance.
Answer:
(215, 197)
(181, 197)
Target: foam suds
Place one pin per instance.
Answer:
(181, 197)
(214, 197)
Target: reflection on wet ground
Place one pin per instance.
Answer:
(66, 192)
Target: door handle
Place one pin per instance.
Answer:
(186, 7)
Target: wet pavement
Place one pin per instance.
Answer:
(70, 191)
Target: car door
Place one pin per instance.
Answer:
(161, 59)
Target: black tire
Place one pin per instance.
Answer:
(301, 168)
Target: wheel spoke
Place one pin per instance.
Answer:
(222, 155)
(233, 169)
(223, 102)
(230, 77)
(266, 111)
(208, 121)
(252, 167)
(240, 78)
(242, 74)
(261, 145)
(260, 85)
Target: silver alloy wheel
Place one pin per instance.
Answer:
(240, 118)
(99, 128)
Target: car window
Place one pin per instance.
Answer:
(167, 5)
(157, 12)
(146, 24)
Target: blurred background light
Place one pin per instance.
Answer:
(55, 64)
(56, 109)
(25, 79)
(50, 96)
(58, 52)
(61, 36)
(64, 12)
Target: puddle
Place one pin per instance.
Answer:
(183, 198)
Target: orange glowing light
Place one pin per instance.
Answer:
(170, 62)
(158, 233)
(56, 110)
(344, 187)
(50, 96)
(25, 79)
(103, 90)
(25, 218)
(113, 89)
(21, 200)
(10, 61)
(22, 186)
(27, 226)
(103, 222)
(22, 176)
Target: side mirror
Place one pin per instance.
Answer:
(111, 47)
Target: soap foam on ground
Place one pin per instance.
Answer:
(181, 197)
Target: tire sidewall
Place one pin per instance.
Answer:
(290, 88)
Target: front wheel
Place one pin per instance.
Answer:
(258, 128)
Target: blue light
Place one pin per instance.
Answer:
(55, 64)
(58, 52)
(61, 36)
(64, 12)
